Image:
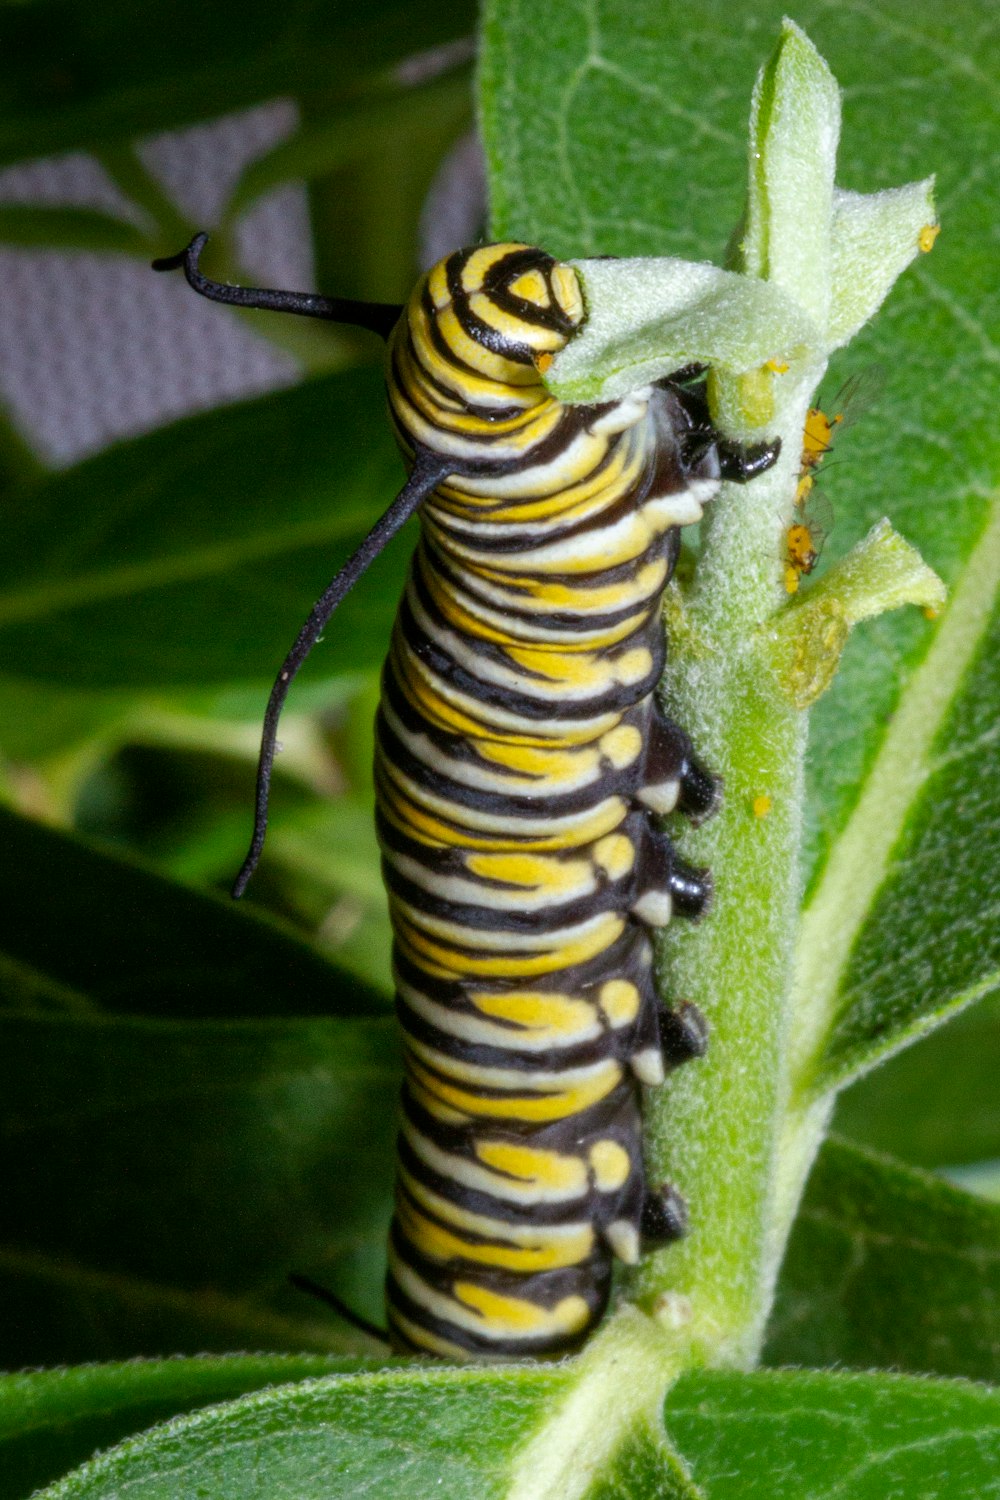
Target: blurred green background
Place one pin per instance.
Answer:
(179, 483)
(156, 587)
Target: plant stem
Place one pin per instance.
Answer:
(715, 1128)
(615, 1398)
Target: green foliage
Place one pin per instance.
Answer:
(52, 1420)
(193, 1099)
(794, 1433)
(102, 74)
(889, 1268)
(415, 1431)
(224, 518)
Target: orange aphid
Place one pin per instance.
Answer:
(813, 513)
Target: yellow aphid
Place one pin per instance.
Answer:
(802, 553)
(762, 803)
(817, 436)
(813, 517)
(927, 236)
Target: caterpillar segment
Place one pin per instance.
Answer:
(521, 760)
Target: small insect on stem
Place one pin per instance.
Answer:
(812, 520)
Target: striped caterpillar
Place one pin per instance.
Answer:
(521, 763)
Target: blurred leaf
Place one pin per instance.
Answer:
(344, 136)
(981, 1178)
(335, 842)
(192, 555)
(892, 1268)
(785, 1435)
(43, 227)
(188, 1165)
(332, 844)
(75, 74)
(131, 942)
(188, 1168)
(38, 720)
(382, 195)
(52, 1420)
(19, 463)
(358, 938)
(935, 1104)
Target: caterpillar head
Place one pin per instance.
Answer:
(504, 310)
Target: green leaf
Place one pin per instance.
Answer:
(648, 317)
(75, 74)
(981, 1178)
(803, 643)
(131, 942)
(192, 1158)
(39, 719)
(836, 253)
(405, 1433)
(873, 242)
(333, 844)
(794, 132)
(192, 555)
(785, 1435)
(780, 1435)
(526, 1432)
(933, 1105)
(48, 228)
(189, 1167)
(889, 1267)
(902, 931)
(52, 1420)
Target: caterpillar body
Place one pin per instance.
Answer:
(521, 764)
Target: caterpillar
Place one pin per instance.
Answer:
(521, 764)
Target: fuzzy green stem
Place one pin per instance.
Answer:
(621, 1381)
(719, 1131)
(715, 1129)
